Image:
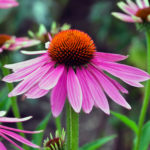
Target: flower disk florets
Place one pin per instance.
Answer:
(143, 14)
(4, 38)
(72, 48)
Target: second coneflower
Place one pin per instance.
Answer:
(138, 12)
(72, 68)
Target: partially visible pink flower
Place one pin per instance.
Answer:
(4, 4)
(72, 68)
(8, 133)
(134, 12)
(12, 43)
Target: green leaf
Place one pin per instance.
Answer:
(145, 138)
(128, 122)
(5, 101)
(37, 138)
(98, 143)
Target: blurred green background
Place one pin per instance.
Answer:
(109, 34)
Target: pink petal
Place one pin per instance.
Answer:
(140, 3)
(2, 146)
(74, 90)
(96, 91)
(124, 72)
(127, 9)
(8, 139)
(132, 5)
(1, 50)
(87, 101)
(11, 120)
(109, 57)
(133, 83)
(18, 138)
(23, 43)
(123, 17)
(17, 130)
(26, 63)
(8, 3)
(30, 81)
(36, 92)
(22, 73)
(51, 78)
(58, 95)
(109, 88)
(117, 85)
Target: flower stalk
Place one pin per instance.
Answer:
(146, 97)
(72, 129)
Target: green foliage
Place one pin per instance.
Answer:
(137, 53)
(145, 138)
(5, 102)
(37, 138)
(98, 143)
(128, 122)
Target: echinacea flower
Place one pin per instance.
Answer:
(4, 4)
(138, 12)
(8, 133)
(55, 143)
(72, 68)
(12, 43)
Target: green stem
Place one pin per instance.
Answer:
(146, 97)
(72, 129)
(58, 124)
(14, 103)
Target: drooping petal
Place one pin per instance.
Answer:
(18, 138)
(58, 95)
(36, 92)
(9, 140)
(127, 9)
(133, 83)
(74, 90)
(22, 73)
(96, 91)
(109, 88)
(30, 81)
(118, 86)
(17, 130)
(51, 78)
(124, 72)
(123, 17)
(109, 57)
(88, 101)
(11, 120)
(2, 146)
(26, 63)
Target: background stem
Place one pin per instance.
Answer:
(72, 129)
(146, 97)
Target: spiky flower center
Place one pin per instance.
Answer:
(54, 143)
(4, 38)
(143, 13)
(72, 48)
